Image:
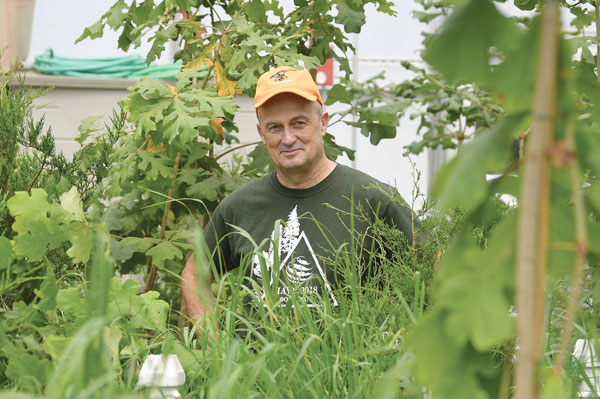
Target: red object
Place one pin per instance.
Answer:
(325, 73)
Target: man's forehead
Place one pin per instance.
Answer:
(274, 109)
(286, 97)
(272, 117)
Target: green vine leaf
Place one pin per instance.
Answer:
(475, 295)
(154, 112)
(71, 202)
(462, 49)
(28, 372)
(183, 121)
(70, 300)
(526, 4)
(462, 367)
(462, 181)
(48, 291)
(165, 250)
(143, 244)
(352, 19)
(54, 345)
(207, 188)
(39, 224)
(142, 311)
(6, 252)
(154, 165)
(82, 243)
(338, 93)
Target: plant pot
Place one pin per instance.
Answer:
(16, 23)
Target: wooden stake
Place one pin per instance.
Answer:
(581, 248)
(533, 209)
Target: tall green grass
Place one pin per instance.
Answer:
(290, 350)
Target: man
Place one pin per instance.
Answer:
(312, 196)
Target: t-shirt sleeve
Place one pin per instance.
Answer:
(217, 243)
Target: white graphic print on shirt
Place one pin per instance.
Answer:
(299, 270)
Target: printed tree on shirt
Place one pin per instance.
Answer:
(291, 231)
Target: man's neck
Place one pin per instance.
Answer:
(306, 179)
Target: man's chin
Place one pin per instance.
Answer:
(292, 166)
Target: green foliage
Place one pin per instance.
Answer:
(243, 29)
(473, 162)
(457, 341)
(448, 114)
(70, 328)
(87, 338)
(56, 344)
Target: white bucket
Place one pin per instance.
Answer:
(16, 22)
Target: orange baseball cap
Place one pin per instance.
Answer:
(286, 80)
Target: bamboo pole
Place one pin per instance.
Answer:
(532, 230)
(581, 247)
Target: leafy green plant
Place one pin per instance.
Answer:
(89, 337)
(71, 341)
(30, 163)
(455, 344)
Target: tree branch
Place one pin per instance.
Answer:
(152, 275)
(37, 175)
(232, 149)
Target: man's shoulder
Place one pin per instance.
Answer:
(249, 190)
(360, 179)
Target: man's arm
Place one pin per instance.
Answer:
(197, 295)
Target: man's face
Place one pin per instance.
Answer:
(292, 129)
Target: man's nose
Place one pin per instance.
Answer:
(288, 137)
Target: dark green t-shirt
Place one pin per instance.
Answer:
(313, 224)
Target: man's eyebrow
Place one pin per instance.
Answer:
(303, 115)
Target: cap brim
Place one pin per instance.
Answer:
(301, 93)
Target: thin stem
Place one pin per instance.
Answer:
(532, 233)
(581, 248)
(216, 57)
(37, 175)
(232, 149)
(152, 275)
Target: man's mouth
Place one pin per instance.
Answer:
(290, 151)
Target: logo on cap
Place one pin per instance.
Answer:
(280, 76)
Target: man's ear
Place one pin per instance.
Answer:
(324, 122)
(262, 137)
